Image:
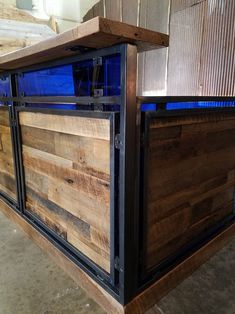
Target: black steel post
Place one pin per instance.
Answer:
(128, 215)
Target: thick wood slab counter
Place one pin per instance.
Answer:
(96, 33)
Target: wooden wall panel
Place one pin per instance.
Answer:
(113, 9)
(67, 171)
(191, 180)
(7, 170)
(130, 11)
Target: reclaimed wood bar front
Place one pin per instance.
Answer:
(127, 194)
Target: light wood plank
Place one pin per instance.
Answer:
(79, 204)
(96, 33)
(88, 127)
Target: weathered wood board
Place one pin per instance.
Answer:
(96, 33)
(191, 180)
(66, 162)
(7, 170)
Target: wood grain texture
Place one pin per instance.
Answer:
(7, 170)
(67, 171)
(160, 288)
(96, 33)
(191, 180)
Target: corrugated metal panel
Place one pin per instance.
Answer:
(217, 75)
(186, 32)
(179, 5)
(142, 22)
(157, 18)
(202, 43)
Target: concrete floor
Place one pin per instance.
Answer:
(30, 283)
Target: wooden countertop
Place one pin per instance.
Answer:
(96, 33)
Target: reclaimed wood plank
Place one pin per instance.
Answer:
(80, 205)
(177, 243)
(96, 33)
(96, 257)
(67, 177)
(88, 127)
(78, 149)
(191, 180)
(60, 170)
(7, 169)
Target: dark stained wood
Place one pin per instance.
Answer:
(67, 170)
(191, 180)
(96, 33)
(7, 170)
(160, 288)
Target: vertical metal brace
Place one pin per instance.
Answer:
(128, 211)
(14, 93)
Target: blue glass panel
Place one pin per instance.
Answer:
(106, 107)
(49, 82)
(5, 87)
(112, 83)
(106, 76)
(148, 107)
(199, 104)
(77, 79)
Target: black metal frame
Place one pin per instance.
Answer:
(82, 260)
(3, 195)
(147, 277)
(122, 166)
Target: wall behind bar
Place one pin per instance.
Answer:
(152, 14)
(202, 43)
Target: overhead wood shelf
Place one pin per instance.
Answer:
(96, 33)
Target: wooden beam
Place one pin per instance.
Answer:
(96, 33)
